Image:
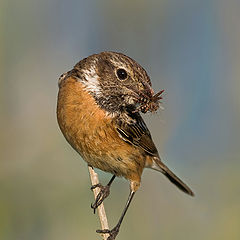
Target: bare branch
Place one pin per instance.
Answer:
(101, 211)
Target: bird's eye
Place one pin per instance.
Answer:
(122, 74)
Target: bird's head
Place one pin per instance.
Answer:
(117, 82)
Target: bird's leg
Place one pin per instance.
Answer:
(104, 192)
(114, 232)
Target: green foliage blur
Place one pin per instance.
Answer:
(190, 49)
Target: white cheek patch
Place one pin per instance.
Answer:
(91, 83)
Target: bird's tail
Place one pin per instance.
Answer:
(161, 167)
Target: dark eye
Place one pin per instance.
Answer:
(122, 74)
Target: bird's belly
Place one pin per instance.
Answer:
(93, 135)
(107, 151)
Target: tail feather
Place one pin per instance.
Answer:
(160, 166)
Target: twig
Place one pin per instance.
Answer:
(101, 211)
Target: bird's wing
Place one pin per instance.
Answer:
(136, 133)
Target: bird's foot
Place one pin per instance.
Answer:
(104, 192)
(112, 233)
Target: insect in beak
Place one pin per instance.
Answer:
(149, 102)
(146, 99)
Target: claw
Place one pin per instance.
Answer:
(112, 233)
(95, 186)
(104, 192)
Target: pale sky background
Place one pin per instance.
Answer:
(190, 49)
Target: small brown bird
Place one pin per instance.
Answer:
(98, 107)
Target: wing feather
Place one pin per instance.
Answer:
(136, 133)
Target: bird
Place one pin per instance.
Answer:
(99, 109)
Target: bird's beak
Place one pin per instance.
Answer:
(140, 90)
(145, 99)
(147, 90)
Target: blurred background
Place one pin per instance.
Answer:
(190, 49)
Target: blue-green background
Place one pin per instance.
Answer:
(190, 49)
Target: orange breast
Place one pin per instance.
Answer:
(91, 132)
